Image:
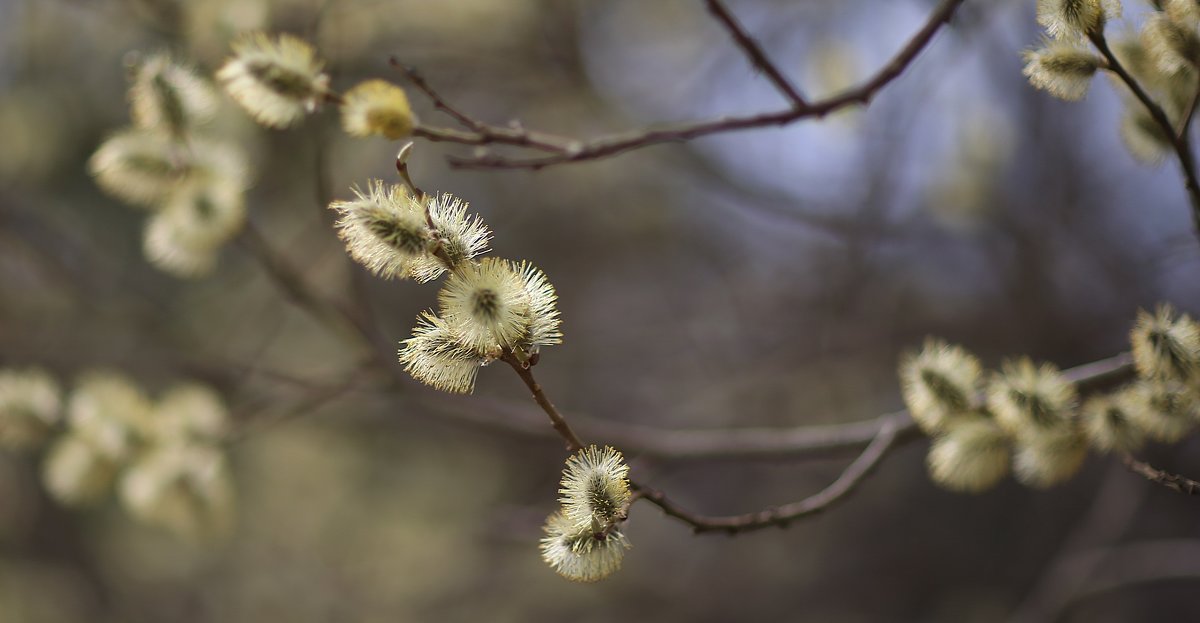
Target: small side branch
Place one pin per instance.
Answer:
(1179, 138)
(755, 53)
(1174, 482)
(555, 150)
(781, 516)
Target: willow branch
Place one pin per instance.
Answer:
(559, 150)
(1174, 482)
(755, 53)
(781, 516)
(478, 132)
(523, 370)
(1180, 141)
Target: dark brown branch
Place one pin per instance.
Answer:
(480, 133)
(618, 143)
(781, 516)
(755, 53)
(574, 444)
(1180, 142)
(1174, 482)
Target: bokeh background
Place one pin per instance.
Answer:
(763, 278)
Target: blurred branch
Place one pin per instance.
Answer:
(1144, 562)
(1180, 141)
(252, 420)
(1174, 482)
(1112, 510)
(559, 150)
(755, 53)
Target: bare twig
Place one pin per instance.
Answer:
(254, 419)
(563, 429)
(755, 53)
(1189, 114)
(480, 133)
(1180, 142)
(1174, 482)
(558, 150)
(781, 516)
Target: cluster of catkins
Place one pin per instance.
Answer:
(1163, 57)
(582, 542)
(1028, 416)
(193, 184)
(162, 458)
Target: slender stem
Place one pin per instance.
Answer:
(1180, 143)
(754, 51)
(1174, 482)
(559, 150)
(1189, 114)
(574, 443)
(781, 516)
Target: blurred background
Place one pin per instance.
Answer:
(761, 278)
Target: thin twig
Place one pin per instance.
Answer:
(1189, 113)
(1174, 482)
(576, 151)
(252, 420)
(480, 133)
(523, 370)
(754, 51)
(781, 516)
(1088, 377)
(1180, 143)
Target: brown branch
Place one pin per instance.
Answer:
(480, 133)
(1174, 482)
(1180, 142)
(574, 444)
(758, 58)
(577, 151)
(1189, 114)
(781, 516)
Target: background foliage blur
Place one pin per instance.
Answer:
(761, 278)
